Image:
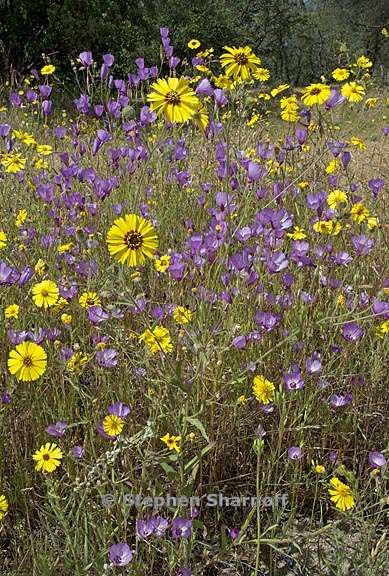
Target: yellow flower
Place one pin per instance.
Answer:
(263, 389)
(12, 311)
(48, 458)
(323, 226)
(341, 300)
(76, 362)
(65, 247)
(297, 234)
(385, 32)
(358, 142)
(316, 94)
(131, 240)
(45, 294)
(113, 425)
(194, 44)
(3, 239)
(27, 361)
(364, 62)
(239, 62)
(47, 70)
(157, 340)
(171, 442)
(261, 74)
(332, 166)
(371, 102)
(162, 263)
(353, 91)
(340, 74)
(40, 267)
(13, 162)
(88, 299)
(319, 469)
(174, 99)
(242, 400)
(66, 318)
(253, 120)
(3, 506)
(41, 164)
(359, 213)
(372, 222)
(182, 315)
(290, 115)
(278, 89)
(44, 149)
(341, 495)
(201, 118)
(21, 217)
(335, 198)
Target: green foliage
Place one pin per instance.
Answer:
(299, 39)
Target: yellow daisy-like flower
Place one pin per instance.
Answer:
(261, 74)
(162, 263)
(76, 362)
(194, 44)
(372, 222)
(171, 442)
(131, 240)
(88, 299)
(174, 99)
(353, 91)
(332, 166)
(3, 239)
(316, 94)
(341, 495)
(358, 142)
(157, 340)
(40, 267)
(12, 311)
(3, 506)
(44, 149)
(21, 218)
(48, 458)
(201, 118)
(340, 74)
(41, 164)
(364, 62)
(239, 62)
(277, 90)
(27, 361)
(263, 389)
(66, 318)
(113, 425)
(297, 234)
(359, 212)
(335, 198)
(13, 162)
(182, 315)
(47, 70)
(45, 294)
(319, 469)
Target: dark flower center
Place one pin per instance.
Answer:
(90, 301)
(44, 293)
(27, 361)
(133, 240)
(173, 97)
(241, 59)
(46, 456)
(315, 91)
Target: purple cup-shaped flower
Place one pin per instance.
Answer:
(77, 452)
(120, 554)
(295, 453)
(181, 528)
(58, 429)
(352, 332)
(376, 459)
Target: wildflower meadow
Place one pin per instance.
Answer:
(193, 318)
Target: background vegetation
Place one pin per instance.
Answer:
(298, 39)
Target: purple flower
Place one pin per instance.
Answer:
(267, 320)
(120, 554)
(145, 528)
(255, 171)
(352, 332)
(77, 452)
(119, 409)
(362, 244)
(293, 378)
(184, 571)
(339, 400)
(376, 185)
(58, 429)
(204, 88)
(107, 358)
(5, 398)
(234, 533)
(335, 99)
(85, 59)
(376, 459)
(97, 315)
(47, 107)
(295, 453)
(181, 528)
(313, 364)
(220, 97)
